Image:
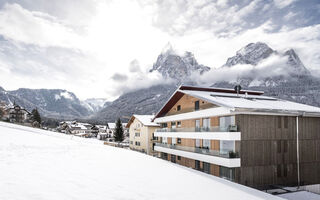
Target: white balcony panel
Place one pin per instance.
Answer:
(226, 162)
(210, 112)
(234, 136)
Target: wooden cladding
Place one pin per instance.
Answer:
(189, 104)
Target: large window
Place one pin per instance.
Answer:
(206, 144)
(227, 146)
(197, 164)
(173, 158)
(206, 124)
(164, 140)
(174, 141)
(227, 173)
(225, 122)
(206, 167)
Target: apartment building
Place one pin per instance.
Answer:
(141, 130)
(242, 136)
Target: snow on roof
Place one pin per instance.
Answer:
(252, 102)
(87, 178)
(146, 120)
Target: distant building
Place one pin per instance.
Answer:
(141, 129)
(17, 114)
(244, 137)
(77, 128)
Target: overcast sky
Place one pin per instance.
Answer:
(96, 48)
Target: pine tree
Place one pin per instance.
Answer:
(118, 133)
(36, 116)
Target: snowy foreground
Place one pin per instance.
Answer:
(37, 164)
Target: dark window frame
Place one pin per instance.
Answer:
(197, 105)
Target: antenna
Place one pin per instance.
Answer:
(237, 88)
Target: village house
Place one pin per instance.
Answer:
(16, 114)
(77, 129)
(243, 136)
(141, 129)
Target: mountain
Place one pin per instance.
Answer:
(177, 67)
(296, 84)
(95, 104)
(148, 101)
(143, 101)
(55, 103)
(251, 54)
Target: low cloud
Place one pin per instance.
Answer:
(119, 77)
(275, 65)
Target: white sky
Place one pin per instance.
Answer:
(82, 45)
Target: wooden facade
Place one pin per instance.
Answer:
(269, 150)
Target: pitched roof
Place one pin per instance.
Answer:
(144, 119)
(251, 102)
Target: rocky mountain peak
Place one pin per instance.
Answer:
(297, 67)
(175, 66)
(251, 54)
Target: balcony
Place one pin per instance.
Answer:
(226, 159)
(230, 128)
(223, 154)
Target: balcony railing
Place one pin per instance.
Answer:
(231, 128)
(221, 153)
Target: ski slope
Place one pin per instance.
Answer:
(37, 164)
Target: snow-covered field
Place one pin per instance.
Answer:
(37, 164)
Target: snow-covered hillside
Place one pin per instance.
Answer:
(37, 164)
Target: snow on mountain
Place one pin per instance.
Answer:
(251, 54)
(95, 104)
(290, 80)
(55, 103)
(177, 66)
(39, 164)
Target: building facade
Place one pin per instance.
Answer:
(141, 133)
(247, 138)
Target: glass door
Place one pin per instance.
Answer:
(197, 129)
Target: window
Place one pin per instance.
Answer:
(225, 122)
(196, 105)
(206, 124)
(154, 137)
(137, 134)
(197, 125)
(227, 173)
(226, 146)
(173, 125)
(164, 125)
(206, 144)
(137, 143)
(164, 140)
(178, 107)
(197, 164)
(286, 122)
(131, 142)
(179, 140)
(179, 124)
(206, 167)
(174, 141)
(173, 158)
(164, 156)
(179, 157)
